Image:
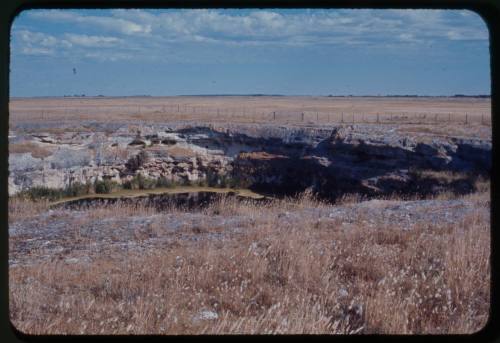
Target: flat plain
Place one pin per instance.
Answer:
(287, 109)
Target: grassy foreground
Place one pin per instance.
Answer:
(277, 277)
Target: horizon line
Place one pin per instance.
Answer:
(262, 95)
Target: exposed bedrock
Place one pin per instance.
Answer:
(279, 160)
(348, 163)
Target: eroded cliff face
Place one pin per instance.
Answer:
(280, 160)
(347, 162)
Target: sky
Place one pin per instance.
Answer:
(272, 51)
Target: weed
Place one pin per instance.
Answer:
(105, 186)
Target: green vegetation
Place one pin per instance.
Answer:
(52, 194)
(222, 180)
(163, 182)
(42, 193)
(105, 186)
(77, 189)
(238, 182)
(138, 182)
(201, 183)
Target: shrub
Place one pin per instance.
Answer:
(141, 182)
(131, 184)
(187, 182)
(43, 193)
(223, 181)
(164, 182)
(104, 186)
(238, 182)
(211, 178)
(202, 183)
(78, 189)
(145, 183)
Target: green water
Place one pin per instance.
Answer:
(131, 193)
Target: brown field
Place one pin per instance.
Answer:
(389, 265)
(35, 150)
(258, 109)
(311, 275)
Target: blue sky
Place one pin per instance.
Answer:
(211, 51)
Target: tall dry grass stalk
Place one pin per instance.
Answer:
(276, 277)
(20, 208)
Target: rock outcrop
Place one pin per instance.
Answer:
(283, 160)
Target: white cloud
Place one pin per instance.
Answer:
(409, 38)
(107, 56)
(39, 38)
(443, 24)
(37, 43)
(92, 41)
(124, 34)
(203, 25)
(37, 51)
(107, 23)
(464, 34)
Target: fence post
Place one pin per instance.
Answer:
(342, 118)
(378, 119)
(274, 115)
(466, 119)
(302, 116)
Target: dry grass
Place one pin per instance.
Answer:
(444, 176)
(277, 277)
(247, 109)
(178, 151)
(36, 150)
(20, 208)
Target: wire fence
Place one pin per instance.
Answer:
(248, 114)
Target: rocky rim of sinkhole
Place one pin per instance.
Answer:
(273, 160)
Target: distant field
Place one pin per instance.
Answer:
(258, 109)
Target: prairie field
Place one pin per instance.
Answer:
(291, 266)
(257, 109)
(249, 215)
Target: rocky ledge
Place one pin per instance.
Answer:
(281, 160)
